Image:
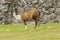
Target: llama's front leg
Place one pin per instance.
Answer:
(25, 25)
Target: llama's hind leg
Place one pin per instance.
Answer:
(38, 23)
(35, 24)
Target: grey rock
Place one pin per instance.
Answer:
(20, 10)
(29, 2)
(35, 1)
(51, 10)
(26, 7)
(44, 19)
(52, 16)
(46, 7)
(58, 5)
(41, 1)
(57, 19)
(2, 1)
(57, 11)
(51, 21)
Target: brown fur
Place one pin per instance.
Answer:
(29, 15)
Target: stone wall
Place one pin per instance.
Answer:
(50, 9)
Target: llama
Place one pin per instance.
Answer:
(29, 15)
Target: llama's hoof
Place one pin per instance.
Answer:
(26, 27)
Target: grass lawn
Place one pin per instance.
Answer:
(44, 32)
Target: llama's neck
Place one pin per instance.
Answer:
(17, 17)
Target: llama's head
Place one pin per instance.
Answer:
(17, 17)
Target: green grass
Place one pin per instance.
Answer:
(17, 32)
